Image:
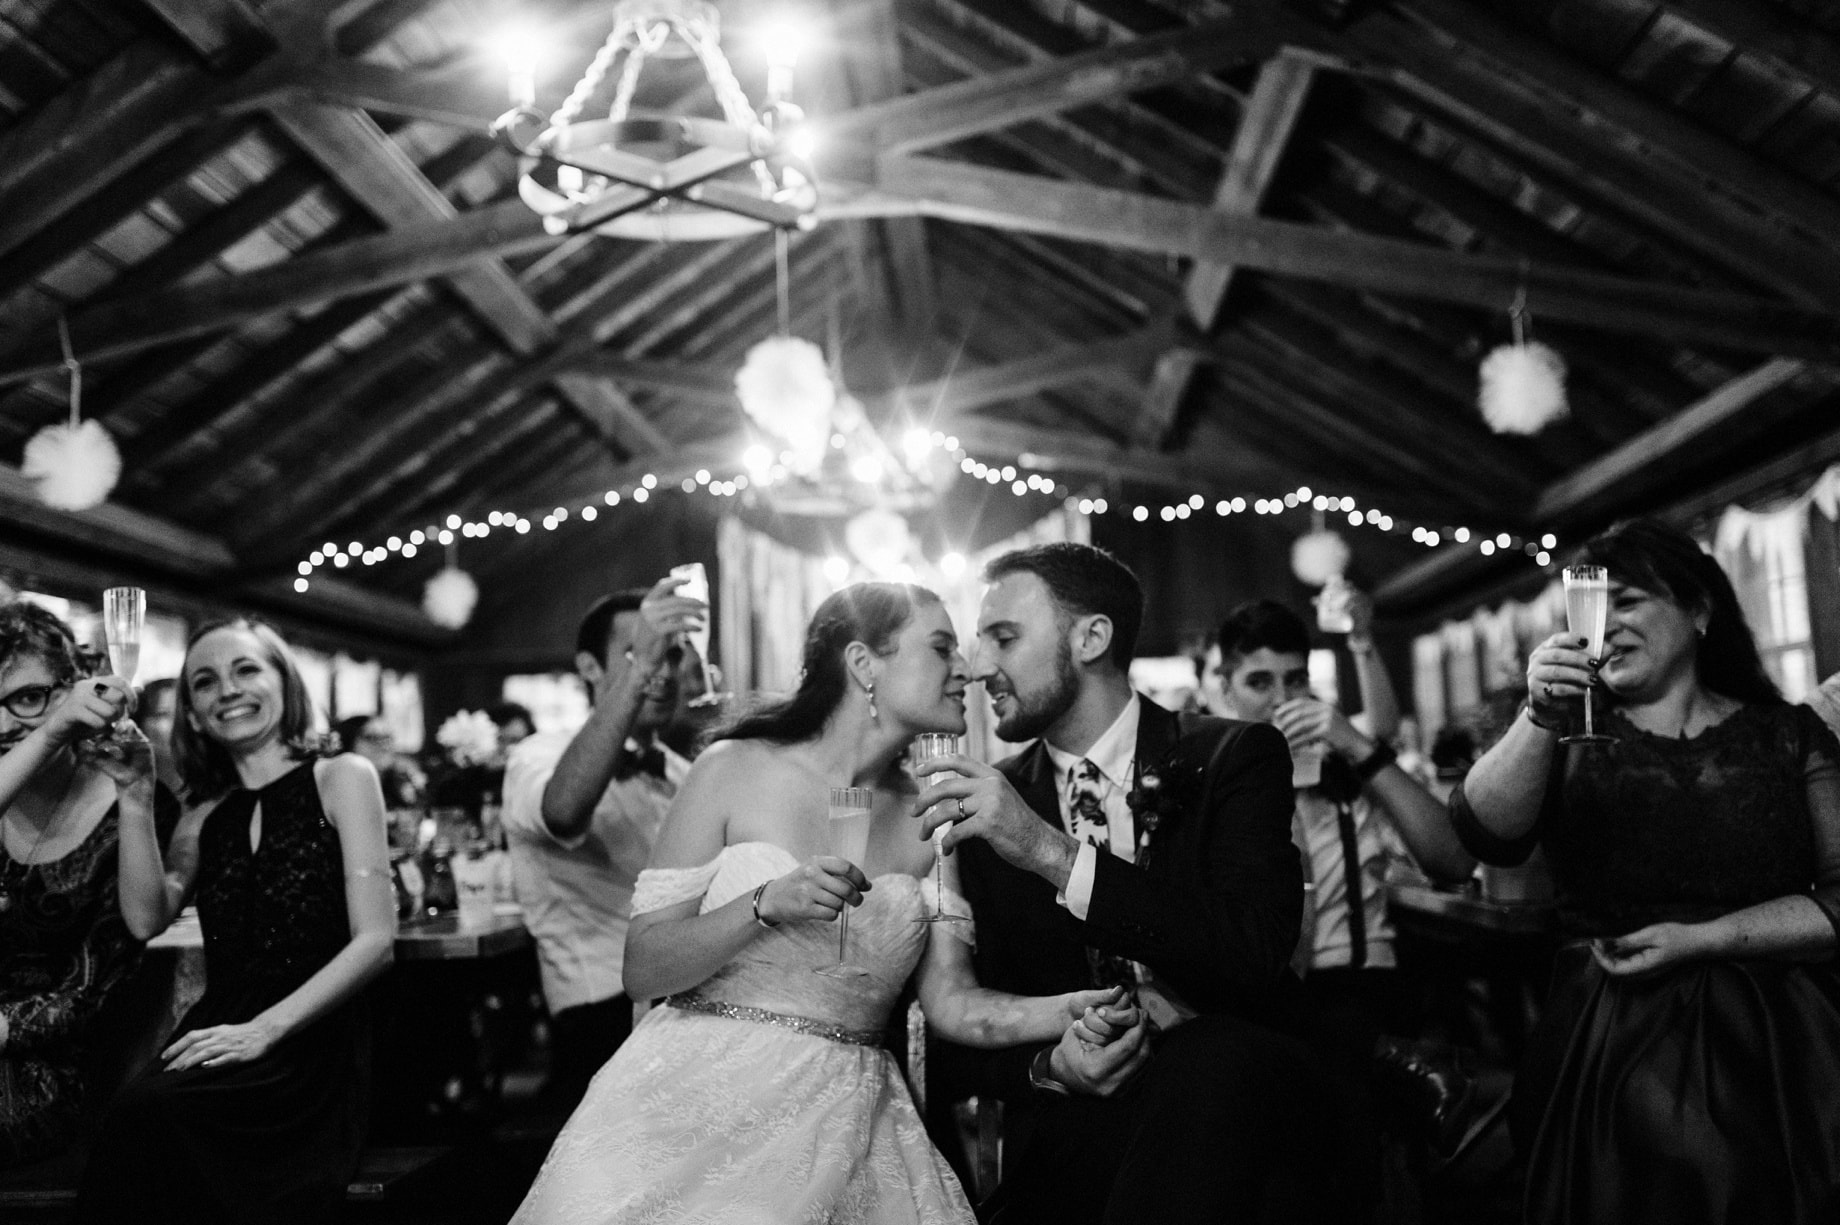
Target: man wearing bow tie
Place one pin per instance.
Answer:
(1129, 846)
(581, 813)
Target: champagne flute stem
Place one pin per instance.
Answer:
(843, 932)
(1588, 729)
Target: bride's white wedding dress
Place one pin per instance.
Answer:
(765, 1097)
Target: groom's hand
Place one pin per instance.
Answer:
(1100, 1070)
(980, 803)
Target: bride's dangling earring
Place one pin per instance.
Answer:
(870, 690)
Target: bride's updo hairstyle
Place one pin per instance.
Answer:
(873, 614)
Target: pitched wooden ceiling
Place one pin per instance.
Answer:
(1164, 246)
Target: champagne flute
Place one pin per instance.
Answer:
(124, 615)
(1587, 614)
(696, 587)
(849, 817)
(926, 747)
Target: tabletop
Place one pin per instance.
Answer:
(1473, 911)
(439, 938)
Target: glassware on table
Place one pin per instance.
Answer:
(696, 587)
(124, 617)
(851, 809)
(926, 747)
(475, 872)
(1587, 614)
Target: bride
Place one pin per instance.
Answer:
(759, 1091)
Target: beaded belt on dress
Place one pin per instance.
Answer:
(689, 1001)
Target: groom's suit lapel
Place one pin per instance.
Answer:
(1035, 783)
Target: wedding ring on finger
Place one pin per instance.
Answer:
(1549, 691)
(961, 810)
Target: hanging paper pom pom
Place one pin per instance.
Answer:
(75, 465)
(1319, 557)
(449, 597)
(786, 388)
(879, 539)
(1523, 388)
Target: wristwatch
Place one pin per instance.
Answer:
(1042, 1077)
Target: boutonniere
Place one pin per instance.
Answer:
(1160, 793)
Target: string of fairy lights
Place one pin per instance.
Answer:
(763, 470)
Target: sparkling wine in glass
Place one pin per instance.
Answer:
(927, 746)
(1587, 614)
(124, 615)
(696, 587)
(849, 817)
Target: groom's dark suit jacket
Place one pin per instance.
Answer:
(1215, 913)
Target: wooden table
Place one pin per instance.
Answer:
(1470, 911)
(1488, 963)
(438, 938)
(441, 938)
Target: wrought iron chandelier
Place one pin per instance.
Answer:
(654, 176)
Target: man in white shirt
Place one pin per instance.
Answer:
(581, 814)
(1131, 846)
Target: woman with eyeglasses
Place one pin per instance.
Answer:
(258, 1110)
(69, 775)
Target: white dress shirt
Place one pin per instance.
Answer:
(1115, 753)
(577, 892)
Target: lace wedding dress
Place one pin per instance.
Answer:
(764, 1096)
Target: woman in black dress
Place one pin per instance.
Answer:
(65, 780)
(1685, 1070)
(258, 1111)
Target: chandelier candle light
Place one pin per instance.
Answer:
(661, 177)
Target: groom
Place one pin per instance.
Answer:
(1127, 845)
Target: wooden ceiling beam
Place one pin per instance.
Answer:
(1754, 401)
(101, 125)
(1658, 174)
(130, 190)
(1451, 426)
(112, 329)
(534, 422)
(180, 431)
(1774, 36)
(976, 195)
(350, 145)
(489, 383)
(1324, 418)
(248, 439)
(113, 529)
(1641, 378)
(1589, 100)
(1265, 128)
(968, 390)
(226, 34)
(981, 196)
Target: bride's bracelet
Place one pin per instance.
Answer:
(758, 917)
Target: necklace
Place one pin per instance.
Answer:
(26, 864)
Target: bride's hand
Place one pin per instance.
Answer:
(817, 890)
(1101, 1016)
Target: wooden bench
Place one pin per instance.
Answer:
(45, 1190)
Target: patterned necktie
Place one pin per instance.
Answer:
(1085, 803)
(1087, 823)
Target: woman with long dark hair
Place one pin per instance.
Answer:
(257, 1109)
(759, 1090)
(69, 782)
(1684, 1070)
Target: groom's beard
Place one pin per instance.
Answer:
(1035, 712)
